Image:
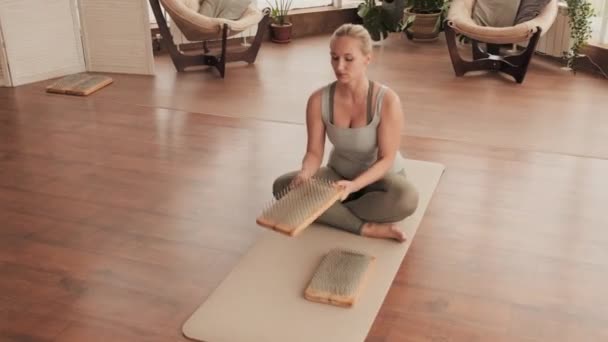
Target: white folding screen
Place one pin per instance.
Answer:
(4, 76)
(41, 39)
(116, 35)
(44, 39)
(3, 81)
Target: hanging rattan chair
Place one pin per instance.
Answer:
(197, 27)
(460, 21)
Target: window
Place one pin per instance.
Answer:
(599, 23)
(296, 4)
(347, 3)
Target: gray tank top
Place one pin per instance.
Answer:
(355, 149)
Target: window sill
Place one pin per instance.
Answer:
(598, 45)
(321, 9)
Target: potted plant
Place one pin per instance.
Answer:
(280, 27)
(579, 15)
(376, 19)
(422, 19)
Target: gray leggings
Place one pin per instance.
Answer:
(390, 199)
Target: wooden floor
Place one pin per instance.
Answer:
(122, 211)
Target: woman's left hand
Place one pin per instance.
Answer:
(348, 188)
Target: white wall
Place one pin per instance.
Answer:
(41, 39)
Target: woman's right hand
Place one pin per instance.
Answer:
(300, 178)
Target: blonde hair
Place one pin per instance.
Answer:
(355, 31)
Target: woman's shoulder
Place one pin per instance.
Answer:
(318, 93)
(389, 93)
(319, 98)
(389, 96)
(390, 102)
(315, 96)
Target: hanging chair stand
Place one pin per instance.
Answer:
(460, 21)
(213, 58)
(515, 65)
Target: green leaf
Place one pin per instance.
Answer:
(579, 14)
(363, 11)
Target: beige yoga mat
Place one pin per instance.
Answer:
(262, 298)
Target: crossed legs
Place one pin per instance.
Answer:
(372, 211)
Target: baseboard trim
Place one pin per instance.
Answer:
(597, 54)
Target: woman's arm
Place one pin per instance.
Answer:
(389, 139)
(315, 129)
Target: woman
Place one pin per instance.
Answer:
(363, 120)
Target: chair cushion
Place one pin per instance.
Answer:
(227, 9)
(530, 9)
(495, 13)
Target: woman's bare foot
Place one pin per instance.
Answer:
(383, 231)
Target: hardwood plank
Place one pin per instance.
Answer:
(40, 204)
(77, 265)
(547, 325)
(21, 226)
(35, 284)
(54, 279)
(232, 234)
(552, 103)
(16, 325)
(416, 328)
(95, 330)
(62, 218)
(120, 212)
